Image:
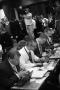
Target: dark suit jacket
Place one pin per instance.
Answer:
(7, 76)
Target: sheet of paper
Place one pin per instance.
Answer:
(33, 69)
(38, 73)
(50, 66)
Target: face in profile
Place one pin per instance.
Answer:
(42, 40)
(16, 58)
(33, 45)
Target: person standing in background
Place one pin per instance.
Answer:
(30, 24)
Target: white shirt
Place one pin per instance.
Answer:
(24, 58)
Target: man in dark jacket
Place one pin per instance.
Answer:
(8, 71)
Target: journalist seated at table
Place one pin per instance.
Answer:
(9, 72)
(44, 41)
(28, 58)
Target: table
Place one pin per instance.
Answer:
(35, 83)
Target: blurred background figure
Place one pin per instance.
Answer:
(45, 22)
(44, 41)
(30, 24)
(41, 41)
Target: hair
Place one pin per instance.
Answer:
(26, 10)
(21, 44)
(27, 38)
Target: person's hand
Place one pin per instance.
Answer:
(40, 60)
(21, 73)
(24, 74)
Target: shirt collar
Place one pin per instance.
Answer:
(26, 49)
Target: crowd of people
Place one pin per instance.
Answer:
(24, 46)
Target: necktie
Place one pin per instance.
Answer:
(30, 57)
(18, 68)
(29, 54)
